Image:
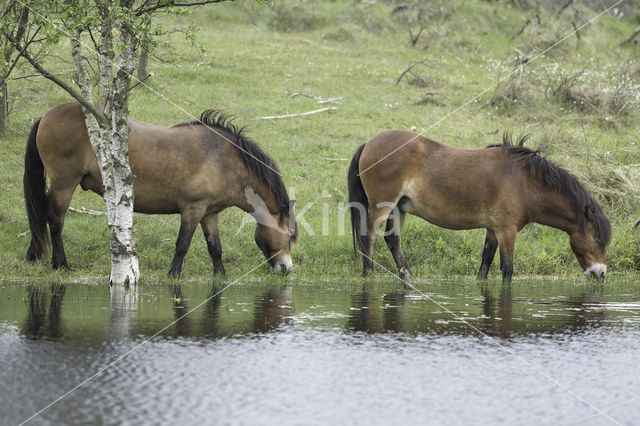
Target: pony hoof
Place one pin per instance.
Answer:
(405, 275)
(63, 266)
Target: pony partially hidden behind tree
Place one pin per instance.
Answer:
(195, 169)
(500, 188)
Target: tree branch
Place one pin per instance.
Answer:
(302, 114)
(142, 10)
(58, 81)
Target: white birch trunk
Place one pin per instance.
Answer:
(109, 140)
(124, 262)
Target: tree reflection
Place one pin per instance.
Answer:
(124, 305)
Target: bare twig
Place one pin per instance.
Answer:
(586, 142)
(139, 82)
(166, 4)
(535, 18)
(632, 36)
(565, 6)
(318, 99)
(49, 76)
(84, 210)
(577, 33)
(416, 37)
(409, 70)
(302, 114)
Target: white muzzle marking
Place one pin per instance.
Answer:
(597, 269)
(284, 264)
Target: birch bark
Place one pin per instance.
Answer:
(109, 140)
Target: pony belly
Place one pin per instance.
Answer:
(146, 206)
(450, 217)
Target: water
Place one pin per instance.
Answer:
(322, 353)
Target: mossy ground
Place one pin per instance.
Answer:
(257, 55)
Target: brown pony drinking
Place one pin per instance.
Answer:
(501, 188)
(195, 169)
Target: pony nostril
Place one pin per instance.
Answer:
(601, 276)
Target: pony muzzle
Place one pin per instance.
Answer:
(597, 270)
(282, 265)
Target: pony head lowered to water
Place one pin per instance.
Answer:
(586, 224)
(265, 195)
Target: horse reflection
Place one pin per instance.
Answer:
(272, 309)
(182, 326)
(498, 323)
(211, 313)
(539, 316)
(363, 315)
(41, 322)
(583, 305)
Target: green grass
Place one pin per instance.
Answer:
(357, 51)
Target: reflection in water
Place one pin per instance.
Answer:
(361, 317)
(364, 311)
(124, 306)
(180, 312)
(211, 312)
(584, 317)
(324, 370)
(552, 316)
(497, 322)
(501, 311)
(41, 322)
(392, 313)
(272, 309)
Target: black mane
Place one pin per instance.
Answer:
(561, 181)
(258, 162)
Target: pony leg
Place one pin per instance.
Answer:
(506, 244)
(488, 253)
(209, 225)
(377, 216)
(392, 237)
(189, 219)
(58, 200)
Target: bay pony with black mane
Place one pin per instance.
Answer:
(500, 188)
(195, 169)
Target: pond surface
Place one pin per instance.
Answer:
(321, 353)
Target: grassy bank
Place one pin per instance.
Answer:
(579, 101)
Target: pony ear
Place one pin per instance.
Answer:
(291, 203)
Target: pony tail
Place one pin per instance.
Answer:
(35, 197)
(358, 202)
